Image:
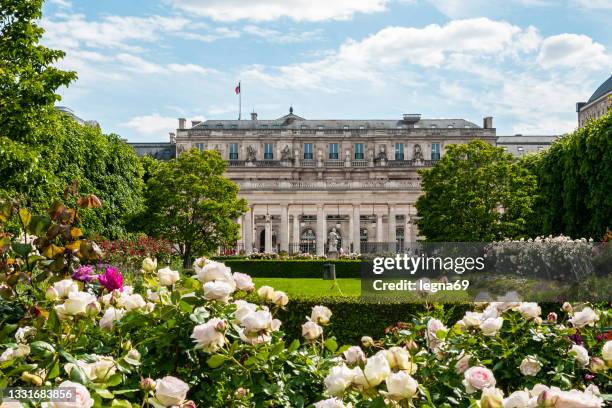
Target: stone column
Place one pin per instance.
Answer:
(407, 231)
(392, 232)
(268, 240)
(321, 230)
(379, 228)
(296, 233)
(356, 229)
(248, 230)
(347, 240)
(240, 222)
(284, 228)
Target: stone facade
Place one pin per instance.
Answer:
(302, 178)
(520, 145)
(598, 104)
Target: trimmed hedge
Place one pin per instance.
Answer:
(353, 318)
(293, 268)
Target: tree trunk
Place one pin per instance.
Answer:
(187, 256)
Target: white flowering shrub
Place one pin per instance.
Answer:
(212, 340)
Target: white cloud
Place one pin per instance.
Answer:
(61, 3)
(68, 31)
(153, 124)
(139, 65)
(279, 37)
(215, 34)
(429, 47)
(477, 8)
(572, 50)
(594, 4)
(267, 10)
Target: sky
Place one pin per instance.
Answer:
(144, 63)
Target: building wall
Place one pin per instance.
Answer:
(594, 110)
(289, 195)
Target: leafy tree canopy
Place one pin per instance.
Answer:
(192, 204)
(476, 192)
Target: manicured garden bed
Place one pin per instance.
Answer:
(292, 268)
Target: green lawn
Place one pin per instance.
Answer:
(312, 287)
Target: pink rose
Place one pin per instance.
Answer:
(478, 378)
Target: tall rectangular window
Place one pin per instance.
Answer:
(399, 151)
(308, 155)
(233, 154)
(200, 146)
(358, 151)
(435, 151)
(333, 151)
(268, 151)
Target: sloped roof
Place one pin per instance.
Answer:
(292, 121)
(602, 90)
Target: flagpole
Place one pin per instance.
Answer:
(239, 101)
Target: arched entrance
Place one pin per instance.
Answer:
(262, 241)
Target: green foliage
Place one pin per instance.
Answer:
(476, 192)
(574, 182)
(101, 164)
(276, 268)
(191, 203)
(28, 79)
(41, 150)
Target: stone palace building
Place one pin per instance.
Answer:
(306, 179)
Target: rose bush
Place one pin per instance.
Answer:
(211, 340)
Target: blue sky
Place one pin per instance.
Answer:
(144, 63)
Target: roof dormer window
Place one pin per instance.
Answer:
(345, 127)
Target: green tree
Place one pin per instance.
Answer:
(192, 204)
(574, 182)
(28, 79)
(476, 192)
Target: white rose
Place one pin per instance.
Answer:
(266, 293)
(320, 315)
(518, 399)
(492, 398)
(11, 353)
(218, 290)
(168, 277)
(65, 287)
(149, 265)
(102, 368)
(529, 310)
(471, 319)
(530, 367)
(280, 298)
(171, 391)
(243, 308)
(338, 379)
(311, 330)
(77, 302)
(376, 369)
(110, 316)
(585, 317)
(399, 357)
(216, 271)
(491, 326)
(22, 334)
(259, 322)
(209, 336)
(330, 403)
(463, 364)
(243, 281)
(354, 355)
(12, 404)
(582, 355)
(478, 378)
(606, 351)
(575, 399)
(433, 327)
(83, 398)
(133, 302)
(401, 385)
(200, 263)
